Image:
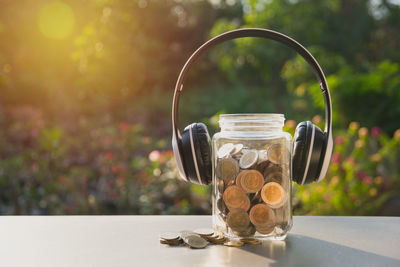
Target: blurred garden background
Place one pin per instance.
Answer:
(86, 90)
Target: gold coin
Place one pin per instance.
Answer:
(239, 177)
(248, 159)
(273, 194)
(233, 243)
(204, 232)
(246, 204)
(234, 197)
(261, 215)
(252, 181)
(216, 240)
(227, 168)
(238, 220)
(267, 229)
(251, 241)
(195, 241)
(169, 236)
(276, 153)
(225, 150)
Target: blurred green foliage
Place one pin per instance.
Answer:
(364, 174)
(85, 120)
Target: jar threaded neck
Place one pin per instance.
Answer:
(252, 122)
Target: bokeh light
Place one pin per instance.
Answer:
(56, 20)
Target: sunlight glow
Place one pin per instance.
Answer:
(56, 20)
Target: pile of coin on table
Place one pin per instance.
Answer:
(201, 238)
(252, 187)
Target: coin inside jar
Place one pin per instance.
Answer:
(237, 149)
(238, 220)
(221, 186)
(248, 159)
(225, 150)
(267, 229)
(227, 168)
(276, 153)
(249, 231)
(246, 204)
(252, 181)
(272, 168)
(261, 215)
(262, 156)
(239, 177)
(273, 194)
(274, 177)
(234, 197)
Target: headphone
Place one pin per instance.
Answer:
(312, 148)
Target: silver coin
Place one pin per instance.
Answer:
(237, 150)
(195, 241)
(227, 168)
(169, 236)
(225, 150)
(204, 231)
(248, 159)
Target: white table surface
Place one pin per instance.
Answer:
(134, 241)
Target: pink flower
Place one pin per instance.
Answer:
(375, 131)
(339, 140)
(154, 155)
(335, 158)
(327, 197)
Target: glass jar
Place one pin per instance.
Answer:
(252, 177)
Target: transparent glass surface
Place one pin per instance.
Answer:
(252, 177)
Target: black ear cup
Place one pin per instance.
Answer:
(197, 153)
(308, 144)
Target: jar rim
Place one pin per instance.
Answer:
(251, 122)
(273, 115)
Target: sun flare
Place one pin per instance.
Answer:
(56, 20)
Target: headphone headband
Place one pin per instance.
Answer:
(268, 34)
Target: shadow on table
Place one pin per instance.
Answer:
(306, 251)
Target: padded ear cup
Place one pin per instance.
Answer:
(316, 157)
(299, 152)
(197, 153)
(187, 157)
(308, 145)
(203, 152)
